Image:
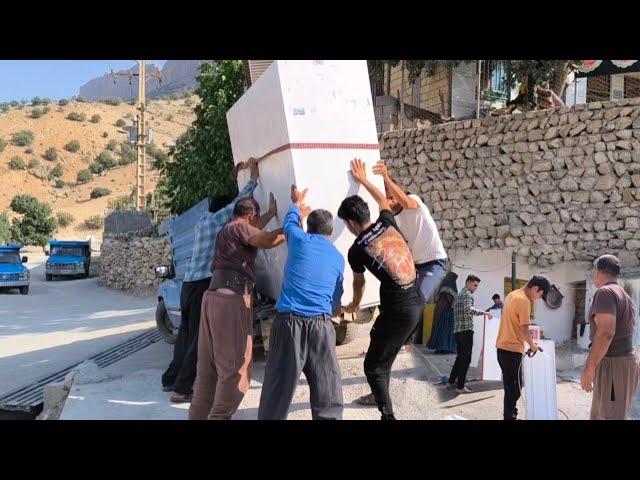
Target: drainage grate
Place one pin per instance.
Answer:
(30, 397)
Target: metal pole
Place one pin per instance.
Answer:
(513, 271)
(141, 193)
(479, 87)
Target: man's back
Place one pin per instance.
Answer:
(313, 272)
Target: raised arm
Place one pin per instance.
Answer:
(359, 173)
(272, 212)
(392, 188)
(225, 214)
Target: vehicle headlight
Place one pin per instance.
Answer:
(24, 276)
(49, 265)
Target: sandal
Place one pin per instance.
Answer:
(368, 400)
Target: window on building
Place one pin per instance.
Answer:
(598, 89)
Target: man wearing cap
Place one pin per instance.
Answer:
(612, 367)
(512, 335)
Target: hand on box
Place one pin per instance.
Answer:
(273, 206)
(380, 168)
(253, 166)
(305, 210)
(358, 170)
(297, 196)
(351, 308)
(488, 315)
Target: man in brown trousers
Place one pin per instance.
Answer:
(225, 339)
(613, 365)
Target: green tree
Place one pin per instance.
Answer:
(36, 225)
(201, 160)
(106, 160)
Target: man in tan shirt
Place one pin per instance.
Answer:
(512, 335)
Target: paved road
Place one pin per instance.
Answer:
(61, 323)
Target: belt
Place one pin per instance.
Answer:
(432, 262)
(322, 316)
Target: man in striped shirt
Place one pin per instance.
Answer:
(463, 313)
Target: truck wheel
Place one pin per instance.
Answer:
(24, 290)
(164, 324)
(345, 332)
(48, 277)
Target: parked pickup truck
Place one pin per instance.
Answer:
(68, 258)
(13, 274)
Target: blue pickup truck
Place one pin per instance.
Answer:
(180, 232)
(68, 258)
(13, 274)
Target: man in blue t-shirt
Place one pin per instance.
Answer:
(303, 337)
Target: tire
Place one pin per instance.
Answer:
(345, 332)
(24, 290)
(164, 324)
(48, 277)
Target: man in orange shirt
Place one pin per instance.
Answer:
(512, 335)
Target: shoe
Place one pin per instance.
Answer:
(388, 416)
(167, 388)
(463, 390)
(368, 400)
(180, 398)
(450, 386)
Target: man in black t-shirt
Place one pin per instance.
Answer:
(380, 248)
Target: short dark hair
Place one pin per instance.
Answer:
(472, 278)
(495, 295)
(320, 221)
(246, 207)
(541, 282)
(609, 265)
(355, 209)
(221, 201)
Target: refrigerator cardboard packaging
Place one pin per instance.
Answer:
(310, 118)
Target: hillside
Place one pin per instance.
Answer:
(167, 118)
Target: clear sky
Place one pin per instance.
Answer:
(54, 79)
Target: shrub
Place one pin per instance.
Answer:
(84, 176)
(100, 192)
(57, 171)
(34, 162)
(105, 134)
(106, 160)
(64, 219)
(23, 203)
(6, 233)
(16, 163)
(58, 183)
(127, 154)
(51, 154)
(94, 223)
(112, 145)
(120, 123)
(4, 107)
(46, 110)
(40, 172)
(2, 144)
(76, 117)
(14, 103)
(95, 168)
(80, 99)
(73, 146)
(28, 151)
(35, 101)
(22, 138)
(63, 101)
(36, 113)
(188, 102)
(95, 118)
(114, 101)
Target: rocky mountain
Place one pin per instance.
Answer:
(177, 76)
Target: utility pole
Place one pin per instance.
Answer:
(141, 132)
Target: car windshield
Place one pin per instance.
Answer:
(67, 251)
(10, 257)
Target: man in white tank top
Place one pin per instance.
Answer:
(420, 231)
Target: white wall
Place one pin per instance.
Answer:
(492, 266)
(463, 90)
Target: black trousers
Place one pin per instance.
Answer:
(512, 380)
(182, 369)
(302, 344)
(390, 332)
(464, 346)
